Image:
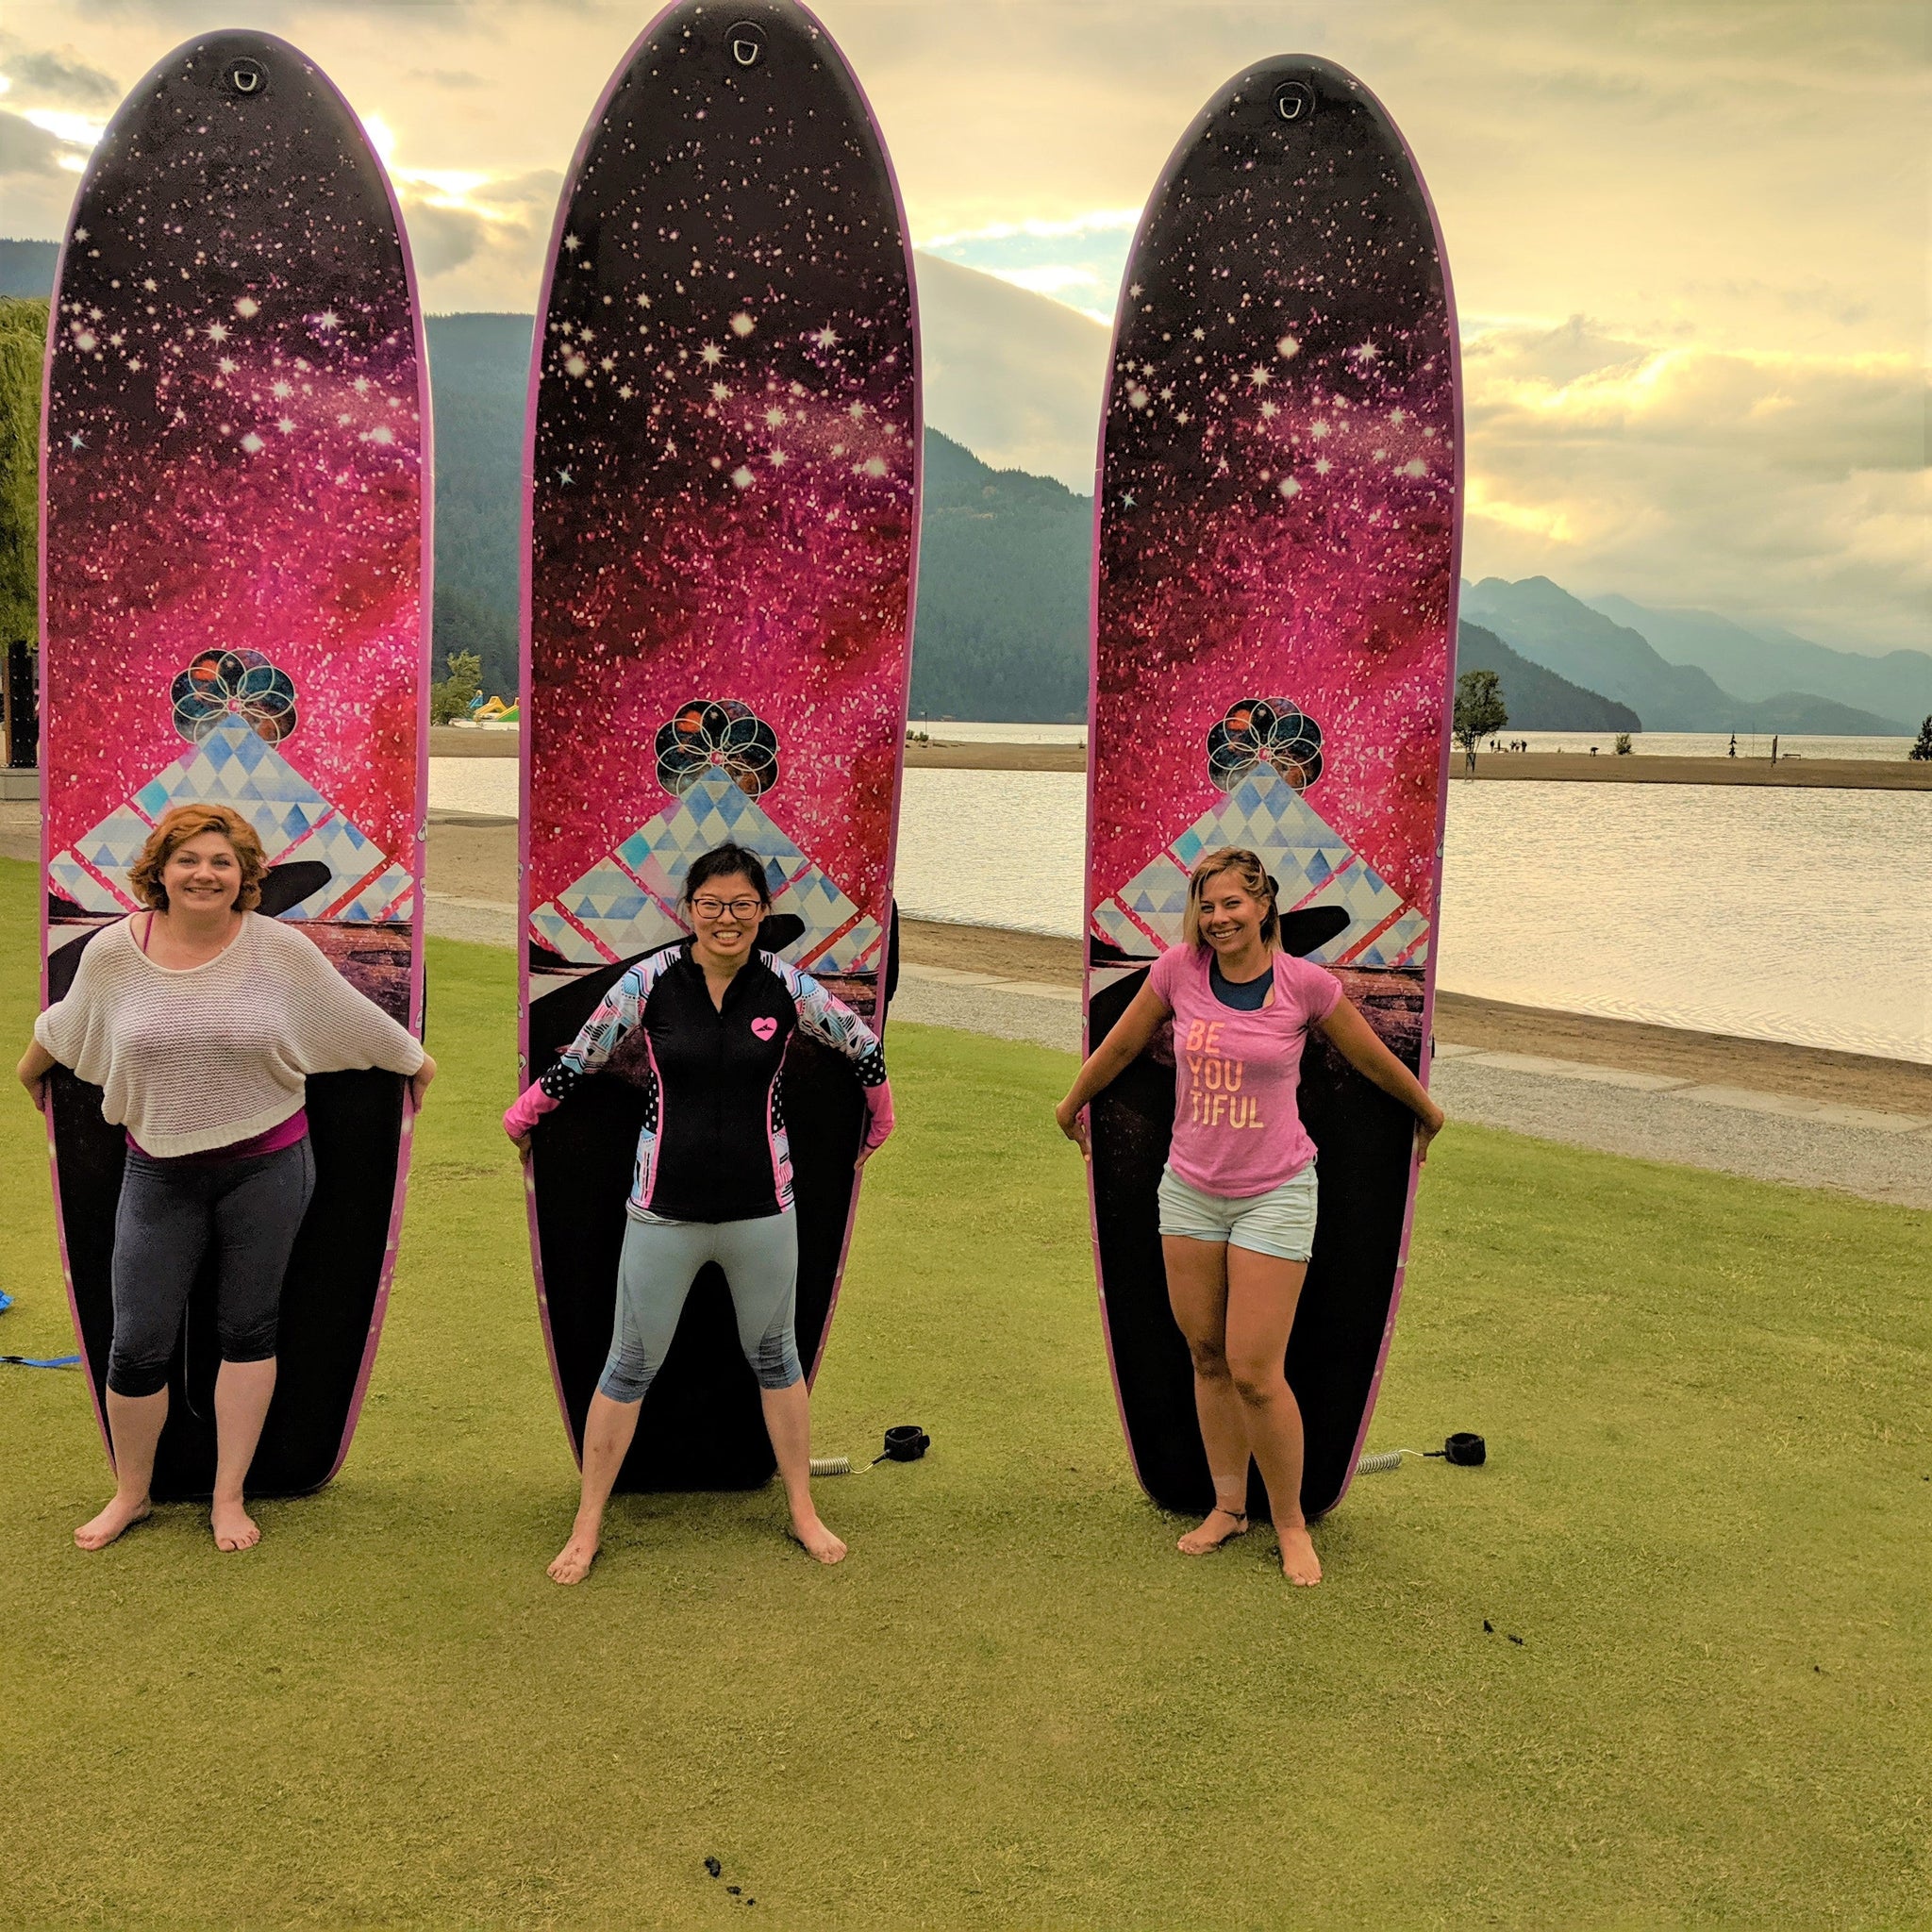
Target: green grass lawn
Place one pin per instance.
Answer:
(1705, 1515)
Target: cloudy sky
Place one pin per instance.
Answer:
(1689, 237)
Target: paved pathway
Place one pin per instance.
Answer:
(1884, 1157)
(481, 922)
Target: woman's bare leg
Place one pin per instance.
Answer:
(1262, 1292)
(607, 1431)
(134, 1427)
(243, 1391)
(788, 1422)
(1197, 1292)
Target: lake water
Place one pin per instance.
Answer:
(1800, 915)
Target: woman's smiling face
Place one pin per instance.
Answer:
(202, 875)
(725, 913)
(1230, 915)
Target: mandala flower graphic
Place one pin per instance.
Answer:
(722, 734)
(234, 684)
(1265, 731)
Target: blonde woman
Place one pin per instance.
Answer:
(200, 1020)
(1237, 1204)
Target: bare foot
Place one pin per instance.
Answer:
(1299, 1562)
(122, 1513)
(572, 1564)
(1217, 1527)
(234, 1528)
(817, 1541)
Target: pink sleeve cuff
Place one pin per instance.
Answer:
(879, 1105)
(525, 1111)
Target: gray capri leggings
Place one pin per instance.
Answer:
(170, 1214)
(661, 1259)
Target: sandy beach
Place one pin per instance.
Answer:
(1571, 767)
(941, 755)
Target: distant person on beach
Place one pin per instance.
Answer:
(202, 1019)
(1734, 744)
(1238, 1194)
(713, 1176)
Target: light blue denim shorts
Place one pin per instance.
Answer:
(1280, 1223)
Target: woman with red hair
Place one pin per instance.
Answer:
(200, 1021)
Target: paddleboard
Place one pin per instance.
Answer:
(723, 500)
(1277, 519)
(235, 607)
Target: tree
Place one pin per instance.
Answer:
(1479, 709)
(467, 623)
(459, 692)
(23, 351)
(1923, 750)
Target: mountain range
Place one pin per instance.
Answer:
(1564, 634)
(1761, 663)
(1003, 586)
(1010, 381)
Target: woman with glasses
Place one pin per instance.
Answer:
(713, 1180)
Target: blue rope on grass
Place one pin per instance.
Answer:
(34, 1361)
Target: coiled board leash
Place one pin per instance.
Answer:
(904, 1442)
(1466, 1451)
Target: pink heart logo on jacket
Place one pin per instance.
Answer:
(764, 1028)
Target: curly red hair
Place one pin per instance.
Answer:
(182, 822)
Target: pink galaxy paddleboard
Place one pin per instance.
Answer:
(235, 598)
(724, 488)
(1274, 606)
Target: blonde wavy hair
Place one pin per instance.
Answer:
(1246, 866)
(182, 822)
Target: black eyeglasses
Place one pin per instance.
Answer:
(717, 908)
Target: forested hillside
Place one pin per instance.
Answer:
(1003, 562)
(1002, 619)
(1539, 700)
(478, 369)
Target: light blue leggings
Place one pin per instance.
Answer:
(659, 1262)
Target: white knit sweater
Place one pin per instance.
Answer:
(202, 1056)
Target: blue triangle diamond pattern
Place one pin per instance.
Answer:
(1312, 864)
(627, 903)
(234, 767)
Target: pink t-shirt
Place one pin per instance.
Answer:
(1237, 1129)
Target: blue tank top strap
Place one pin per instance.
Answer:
(1243, 995)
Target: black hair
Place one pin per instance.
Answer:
(727, 861)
